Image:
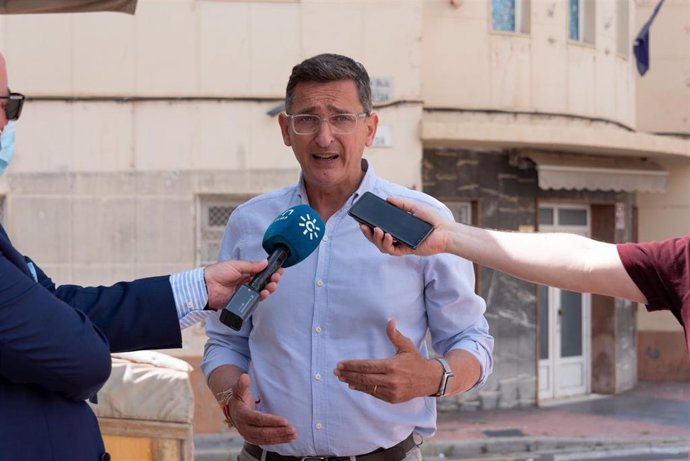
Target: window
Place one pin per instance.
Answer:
(622, 28)
(510, 15)
(462, 211)
(564, 218)
(214, 212)
(581, 21)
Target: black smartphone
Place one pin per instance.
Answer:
(372, 210)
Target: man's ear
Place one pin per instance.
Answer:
(372, 124)
(284, 123)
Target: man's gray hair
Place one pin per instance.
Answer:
(330, 68)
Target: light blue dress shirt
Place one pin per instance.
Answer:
(333, 306)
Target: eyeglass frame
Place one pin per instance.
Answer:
(358, 116)
(19, 98)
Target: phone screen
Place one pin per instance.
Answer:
(374, 211)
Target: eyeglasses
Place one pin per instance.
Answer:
(13, 106)
(311, 123)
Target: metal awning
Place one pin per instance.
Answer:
(589, 172)
(66, 6)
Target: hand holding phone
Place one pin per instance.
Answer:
(405, 228)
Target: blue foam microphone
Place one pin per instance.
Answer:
(289, 239)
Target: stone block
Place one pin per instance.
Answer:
(41, 226)
(165, 231)
(104, 230)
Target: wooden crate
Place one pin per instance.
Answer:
(137, 440)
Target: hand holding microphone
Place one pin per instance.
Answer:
(289, 239)
(223, 278)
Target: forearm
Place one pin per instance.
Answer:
(466, 369)
(223, 378)
(567, 261)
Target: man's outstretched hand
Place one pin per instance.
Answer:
(435, 243)
(223, 279)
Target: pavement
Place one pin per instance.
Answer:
(649, 422)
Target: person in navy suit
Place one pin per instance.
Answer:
(55, 342)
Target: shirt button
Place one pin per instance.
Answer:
(317, 376)
(318, 426)
(190, 304)
(319, 283)
(325, 238)
(317, 329)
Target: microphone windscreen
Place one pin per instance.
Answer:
(299, 229)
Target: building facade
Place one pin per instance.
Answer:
(143, 132)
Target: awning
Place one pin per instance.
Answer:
(590, 172)
(66, 6)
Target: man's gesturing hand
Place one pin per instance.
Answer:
(397, 379)
(254, 426)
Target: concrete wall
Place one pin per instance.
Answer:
(541, 71)
(132, 117)
(663, 93)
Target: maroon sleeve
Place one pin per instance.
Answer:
(661, 270)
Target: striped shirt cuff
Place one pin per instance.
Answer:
(189, 291)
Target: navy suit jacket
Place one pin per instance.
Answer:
(55, 345)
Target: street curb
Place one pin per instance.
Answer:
(226, 447)
(494, 448)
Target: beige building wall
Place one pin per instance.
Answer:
(663, 98)
(540, 71)
(132, 118)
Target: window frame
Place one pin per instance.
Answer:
(586, 23)
(522, 11)
(206, 234)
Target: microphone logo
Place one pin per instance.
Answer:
(310, 226)
(290, 238)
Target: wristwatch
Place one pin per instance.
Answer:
(445, 379)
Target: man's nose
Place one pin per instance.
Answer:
(324, 136)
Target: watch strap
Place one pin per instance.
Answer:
(447, 375)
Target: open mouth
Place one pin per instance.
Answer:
(325, 156)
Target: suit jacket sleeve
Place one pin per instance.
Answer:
(45, 342)
(133, 315)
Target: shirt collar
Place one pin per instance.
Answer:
(367, 184)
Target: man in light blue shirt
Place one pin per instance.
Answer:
(335, 363)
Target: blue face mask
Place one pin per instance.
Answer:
(6, 146)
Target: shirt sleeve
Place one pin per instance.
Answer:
(189, 292)
(659, 269)
(226, 346)
(455, 311)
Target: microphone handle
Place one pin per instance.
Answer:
(275, 261)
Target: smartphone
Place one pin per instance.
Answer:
(405, 228)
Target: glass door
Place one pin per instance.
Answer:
(564, 318)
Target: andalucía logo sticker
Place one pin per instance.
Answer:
(310, 227)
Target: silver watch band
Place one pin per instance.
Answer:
(447, 375)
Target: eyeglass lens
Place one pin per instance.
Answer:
(13, 106)
(310, 124)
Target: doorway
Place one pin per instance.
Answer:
(564, 317)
